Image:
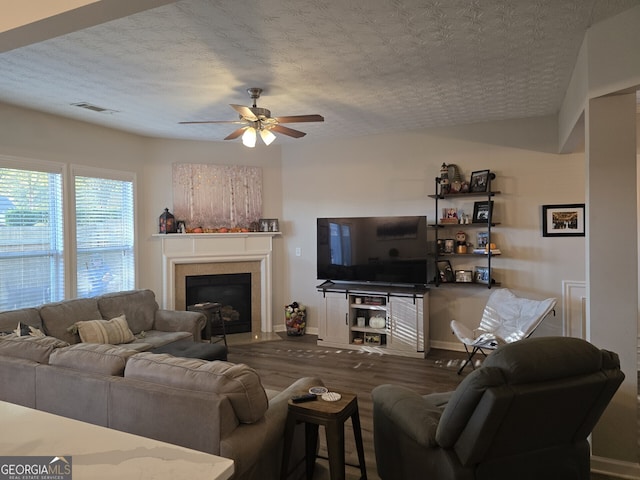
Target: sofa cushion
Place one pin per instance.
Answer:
(156, 338)
(37, 349)
(112, 331)
(58, 317)
(238, 382)
(136, 346)
(90, 357)
(25, 316)
(139, 306)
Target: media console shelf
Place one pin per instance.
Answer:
(385, 319)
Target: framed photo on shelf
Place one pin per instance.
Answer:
(269, 225)
(482, 239)
(464, 276)
(445, 272)
(563, 220)
(449, 245)
(479, 181)
(482, 211)
(481, 275)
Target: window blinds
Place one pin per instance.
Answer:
(31, 238)
(104, 235)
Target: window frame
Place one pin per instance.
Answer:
(76, 170)
(68, 172)
(57, 168)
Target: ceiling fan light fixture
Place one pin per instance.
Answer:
(267, 136)
(256, 119)
(249, 137)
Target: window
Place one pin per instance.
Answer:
(31, 236)
(104, 234)
(65, 232)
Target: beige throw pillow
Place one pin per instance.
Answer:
(112, 331)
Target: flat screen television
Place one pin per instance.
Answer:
(377, 250)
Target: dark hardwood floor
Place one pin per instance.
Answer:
(283, 359)
(281, 362)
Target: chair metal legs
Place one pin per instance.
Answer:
(470, 357)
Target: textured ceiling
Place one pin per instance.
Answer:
(367, 66)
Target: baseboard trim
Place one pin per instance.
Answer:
(615, 468)
(440, 345)
(283, 328)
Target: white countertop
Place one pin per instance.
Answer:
(102, 453)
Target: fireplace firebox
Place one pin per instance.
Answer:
(232, 291)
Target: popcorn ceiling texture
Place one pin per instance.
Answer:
(367, 66)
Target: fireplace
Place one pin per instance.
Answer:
(192, 255)
(231, 290)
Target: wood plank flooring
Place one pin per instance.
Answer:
(283, 361)
(280, 360)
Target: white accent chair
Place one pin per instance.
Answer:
(506, 318)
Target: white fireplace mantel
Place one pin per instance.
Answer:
(202, 248)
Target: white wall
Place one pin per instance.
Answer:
(383, 175)
(30, 134)
(157, 183)
(394, 174)
(612, 279)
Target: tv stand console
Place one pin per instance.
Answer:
(388, 319)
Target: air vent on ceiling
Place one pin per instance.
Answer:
(94, 108)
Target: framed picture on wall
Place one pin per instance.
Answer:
(563, 220)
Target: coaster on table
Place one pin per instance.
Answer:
(331, 396)
(318, 390)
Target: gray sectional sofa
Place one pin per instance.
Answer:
(152, 326)
(215, 407)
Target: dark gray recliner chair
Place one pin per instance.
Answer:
(525, 414)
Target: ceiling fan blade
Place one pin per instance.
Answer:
(237, 122)
(245, 112)
(288, 131)
(235, 133)
(300, 118)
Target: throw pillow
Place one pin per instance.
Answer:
(112, 331)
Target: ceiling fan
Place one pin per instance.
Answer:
(255, 119)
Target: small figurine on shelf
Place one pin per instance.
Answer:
(461, 242)
(444, 179)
